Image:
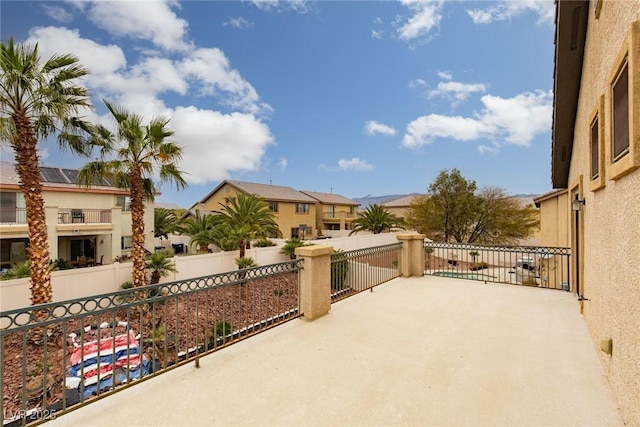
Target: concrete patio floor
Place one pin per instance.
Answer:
(415, 352)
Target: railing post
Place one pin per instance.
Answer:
(315, 280)
(412, 254)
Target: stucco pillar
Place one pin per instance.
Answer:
(315, 280)
(412, 254)
(51, 215)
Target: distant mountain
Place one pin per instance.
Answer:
(525, 199)
(376, 200)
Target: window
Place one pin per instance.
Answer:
(596, 144)
(273, 206)
(124, 203)
(332, 211)
(620, 101)
(302, 208)
(126, 242)
(623, 106)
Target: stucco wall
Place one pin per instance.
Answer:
(286, 217)
(611, 216)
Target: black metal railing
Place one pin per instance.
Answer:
(13, 215)
(84, 216)
(541, 266)
(362, 269)
(58, 355)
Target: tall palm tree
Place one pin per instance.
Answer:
(377, 219)
(250, 218)
(38, 100)
(140, 151)
(160, 265)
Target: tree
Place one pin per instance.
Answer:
(38, 100)
(160, 265)
(454, 210)
(140, 151)
(200, 227)
(165, 221)
(249, 217)
(290, 245)
(377, 219)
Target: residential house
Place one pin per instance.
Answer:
(93, 223)
(295, 212)
(333, 211)
(596, 170)
(400, 207)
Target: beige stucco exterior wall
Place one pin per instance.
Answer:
(107, 235)
(286, 217)
(611, 215)
(554, 215)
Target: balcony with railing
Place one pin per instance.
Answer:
(410, 351)
(13, 215)
(84, 216)
(338, 216)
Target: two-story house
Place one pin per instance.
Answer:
(595, 167)
(333, 211)
(91, 224)
(295, 212)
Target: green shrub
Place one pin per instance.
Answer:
(264, 243)
(18, 270)
(339, 268)
(278, 292)
(61, 264)
(220, 331)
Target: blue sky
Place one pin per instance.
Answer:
(356, 98)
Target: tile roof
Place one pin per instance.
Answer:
(268, 191)
(331, 198)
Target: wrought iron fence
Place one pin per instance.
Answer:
(84, 216)
(541, 266)
(362, 269)
(58, 355)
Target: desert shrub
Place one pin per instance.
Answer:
(278, 292)
(18, 270)
(339, 268)
(479, 266)
(263, 243)
(220, 331)
(61, 264)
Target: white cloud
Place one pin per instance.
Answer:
(354, 164)
(376, 35)
(372, 127)
(217, 144)
(377, 20)
(283, 163)
(455, 91)
(145, 20)
(239, 23)
(300, 6)
(416, 83)
(445, 75)
(516, 121)
(427, 15)
(212, 69)
(58, 13)
(505, 10)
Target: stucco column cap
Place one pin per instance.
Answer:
(410, 236)
(314, 250)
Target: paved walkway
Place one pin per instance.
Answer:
(415, 352)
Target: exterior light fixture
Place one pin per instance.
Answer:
(577, 204)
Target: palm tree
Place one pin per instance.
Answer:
(376, 219)
(290, 245)
(38, 100)
(250, 218)
(140, 151)
(200, 228)
(160, 265)
(165, 221)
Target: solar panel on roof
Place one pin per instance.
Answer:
(52, 175)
